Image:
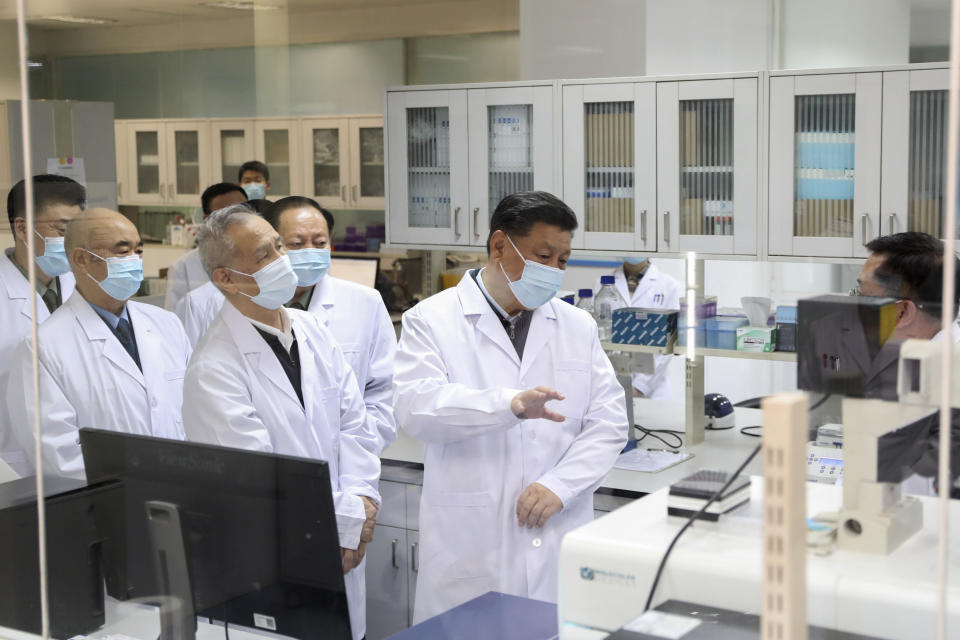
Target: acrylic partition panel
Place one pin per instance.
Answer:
(276, 143)
(371, 162)
(511, 151)
(706, 167)
(326, 162)
(928, 160)
(428, 166)
(232, 153)
(825, 129)
(609, 159)
(187, 159)
(148, 161)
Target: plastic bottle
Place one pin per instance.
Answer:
(604, 304)
(585, 300)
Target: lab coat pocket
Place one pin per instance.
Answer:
(573, 381)
(351, 353)
(464, 531)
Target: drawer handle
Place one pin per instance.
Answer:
(393, 556)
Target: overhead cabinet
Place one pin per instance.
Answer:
(454, 154)
(166, 162)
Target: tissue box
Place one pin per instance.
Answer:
(757, 339)
(650, 327)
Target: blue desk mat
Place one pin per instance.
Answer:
(492, 616)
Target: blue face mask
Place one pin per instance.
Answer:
(54, 261)
(255, 190)
(277, 282)
(634, 260)
(124, 275)
(310, 265)
(537, 284)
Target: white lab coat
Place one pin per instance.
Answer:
(238, 395)
(358, 319)
(87, 379)
(183, 276)
(455, 375)
(656, 290)
(15, 320)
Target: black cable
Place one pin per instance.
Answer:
(748, 431)
(659, 434)
(708, 428)
(663, 561)
(820, 401)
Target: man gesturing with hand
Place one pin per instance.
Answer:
(519, 410)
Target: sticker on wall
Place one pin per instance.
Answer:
(68, 167)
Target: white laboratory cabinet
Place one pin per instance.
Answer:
(232, 140)
(453, 154)
(277, 143)
(343, 161)
(166, 162)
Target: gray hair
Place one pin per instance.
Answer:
(215, 246)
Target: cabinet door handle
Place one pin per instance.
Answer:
(415, 556)
(643, 227)
(863, 228)
(163, 191)
(891, 220)
(666, 227)
(393, 552)
(119, 190)
(456, 222)
(355, 192)
(476, 221)
(343, 192)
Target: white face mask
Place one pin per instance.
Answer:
(277, 282)
(538, 283)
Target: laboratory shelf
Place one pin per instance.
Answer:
(778, 356)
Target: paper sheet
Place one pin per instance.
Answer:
(650, 460)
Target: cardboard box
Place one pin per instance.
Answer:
(650, 327)
(756, 339)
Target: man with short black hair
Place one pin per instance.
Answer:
(505, 475)
(186, 273)
(254, 177)
(56, 200)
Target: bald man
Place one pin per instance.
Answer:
(105, 362)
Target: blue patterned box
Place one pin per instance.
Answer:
(651, 327)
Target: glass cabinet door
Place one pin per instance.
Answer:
(511, 149)
(147, 172)
(428, 148)
(327, 178)
(707, 165)
(913, 186)
(610, 164)
(366, 151)
(188, 148)
(232, 146)
(824, 164)
(277, 148)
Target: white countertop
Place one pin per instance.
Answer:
(720, 450)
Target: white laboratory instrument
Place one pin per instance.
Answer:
(824, 464)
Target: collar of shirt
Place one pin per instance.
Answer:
(53, 285)
(493, 303)
(109, 317)
(285, 336)
(304, 300)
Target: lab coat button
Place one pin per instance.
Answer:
(537, 542)
(154, 403)
(533, 435)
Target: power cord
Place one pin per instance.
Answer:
(750, 431)
(660, 434)
(690, 520)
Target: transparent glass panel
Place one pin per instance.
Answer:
(187, 159)
(148, 162)
(326, 162)
(928, 161)
(371, 162)
(232, 154)
(276, 143)
(511, 151)
(824, 158)
(428, 166)
(706, 167)
(608, 148)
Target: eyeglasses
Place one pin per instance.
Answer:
(855, 291)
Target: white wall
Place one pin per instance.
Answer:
(577, 39)
(706, 36)
(850, 33)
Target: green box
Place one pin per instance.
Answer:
(756, 339)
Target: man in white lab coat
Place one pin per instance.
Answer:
(642, 284)
(354, 314)
(506, 475)
(186, 273)
(57, 200)
(266, 378)
(105, 362)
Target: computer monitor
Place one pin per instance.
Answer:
(360, 270)
(259, 530)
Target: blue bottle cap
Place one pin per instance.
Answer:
(585, 293)
(607, 280)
